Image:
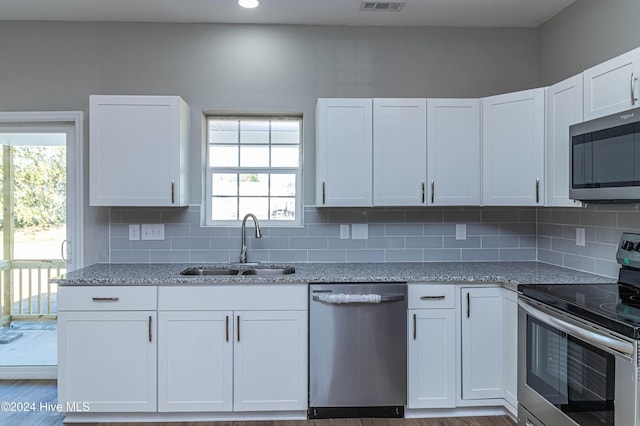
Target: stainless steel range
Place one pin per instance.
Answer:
(578, 349)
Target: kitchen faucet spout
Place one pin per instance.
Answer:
(243, 250)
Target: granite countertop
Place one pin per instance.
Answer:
(509, 274)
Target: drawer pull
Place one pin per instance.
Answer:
(238, 328)
(105, 299)
(150, 330)
(415, 327)
(432, 297)
(227, 326)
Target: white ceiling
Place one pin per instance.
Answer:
(464, 13)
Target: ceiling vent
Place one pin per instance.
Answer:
(383, 6)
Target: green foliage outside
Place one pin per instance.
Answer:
(39, 186)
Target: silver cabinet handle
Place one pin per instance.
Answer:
(238, 328)
(173, 192)
(64, 243)
(324, 193)
(150, 330)
(633, 89)
(105, 299)
(415, 327)
(432, 297)
(433, 190)
(227, 328)
(537, 190)
(423, 193)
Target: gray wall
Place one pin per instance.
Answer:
(242, 68)
(585, 34)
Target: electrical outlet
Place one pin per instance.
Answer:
(461, 231)
(152, 231)
(134, 232)
(580, 238)
(360, 231)
(344, 232)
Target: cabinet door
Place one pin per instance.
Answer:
(564, 108)
(513, 146)
(399, 152)
(432, 369)
(270, 361)
(138, 150)
(453, 152)
(344, 143)
(108, 359)
(511, 349)
(482, 340)
(612, 86)
(195, 361)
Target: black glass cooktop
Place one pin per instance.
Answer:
(613, 306)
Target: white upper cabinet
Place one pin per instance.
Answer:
(612, 86)
(513, 147)
(399, 152)
(564, 108)
(344, 149)
(453, 152)
(138, 150)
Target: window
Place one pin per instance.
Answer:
(253, 166)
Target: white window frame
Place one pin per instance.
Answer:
(209, 171)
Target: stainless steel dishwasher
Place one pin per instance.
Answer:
(357, 350)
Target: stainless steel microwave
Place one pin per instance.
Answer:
(605, 159)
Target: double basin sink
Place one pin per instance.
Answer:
(252, 270)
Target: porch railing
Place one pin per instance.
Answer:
(26, 292)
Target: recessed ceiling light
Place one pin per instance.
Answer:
(248, 4)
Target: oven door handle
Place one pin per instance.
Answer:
(606, 343)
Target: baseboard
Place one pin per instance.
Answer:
(89, 417)
(425, 413)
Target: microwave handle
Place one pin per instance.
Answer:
(606, 343)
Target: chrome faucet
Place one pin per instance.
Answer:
(243, 250)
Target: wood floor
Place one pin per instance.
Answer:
(37, 393)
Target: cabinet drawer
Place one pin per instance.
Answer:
(436, 296)
(107, 298)
(235, 297)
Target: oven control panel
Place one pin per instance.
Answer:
(629, 250)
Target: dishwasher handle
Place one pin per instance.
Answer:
(341, 298)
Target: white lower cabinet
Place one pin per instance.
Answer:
(431, 351)
(195, 361)
(511, 349)
(241, 359)
(107, 349)
(270, 361)
(482, 343)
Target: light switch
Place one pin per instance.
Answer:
(134, 232)
(152, 231)
(344, 232)
(461, 231)
(580, 238)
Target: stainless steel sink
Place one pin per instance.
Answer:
(270, 271)
(209, 271)
(253, 270)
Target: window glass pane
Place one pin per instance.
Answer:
(283, 209)
(254, 156)
(285, 132)
(223, 156)
(285, 156)
(283, 185)
(224, 184)
(256, 205)
(223, 131)
(224, 208)
(254, 184)
(254, 131)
